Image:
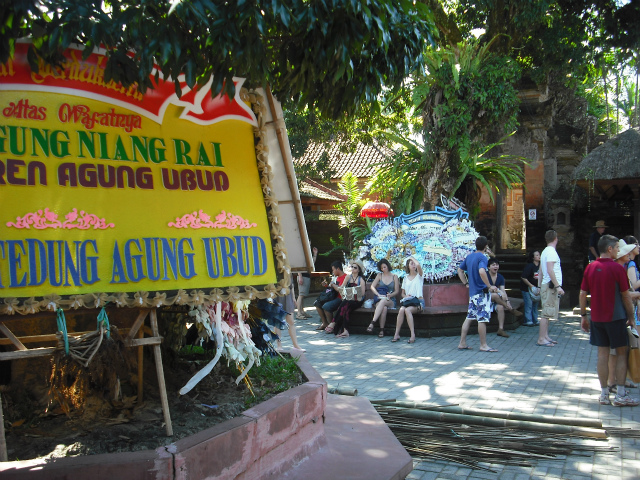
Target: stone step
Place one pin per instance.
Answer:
(359, 445)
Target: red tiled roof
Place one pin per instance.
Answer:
(362, 162)
(311, 188)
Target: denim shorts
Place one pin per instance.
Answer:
(332, 305)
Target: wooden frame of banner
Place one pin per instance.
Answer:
(134, 338)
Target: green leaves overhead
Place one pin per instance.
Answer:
(331, 54)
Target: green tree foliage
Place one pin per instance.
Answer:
(357, 227)
(464, 93)
(333, 54)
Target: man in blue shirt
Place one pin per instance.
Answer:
(480, 291)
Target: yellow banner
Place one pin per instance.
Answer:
(97, 197)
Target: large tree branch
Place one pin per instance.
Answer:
(450, 34)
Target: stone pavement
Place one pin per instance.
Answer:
(520, 377)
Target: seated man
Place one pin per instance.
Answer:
(499, 299)
(325, 310)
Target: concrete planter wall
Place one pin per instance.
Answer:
(262, 442)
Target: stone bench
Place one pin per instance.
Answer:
(444, 312)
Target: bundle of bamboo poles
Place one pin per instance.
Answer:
(471, 437)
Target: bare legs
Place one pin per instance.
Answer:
(616, 373)
(543, 333)
(300, 307)
(381, 312)
(325, 317)
(482, 333)
(292, 332)
(401, 314)
(500, 313)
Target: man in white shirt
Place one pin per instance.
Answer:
(550, 283)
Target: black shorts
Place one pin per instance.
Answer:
(609, 334)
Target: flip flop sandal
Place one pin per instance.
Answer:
(548, 344)
(395, 340)
(465, 348)
(411, 340)
(491, 350)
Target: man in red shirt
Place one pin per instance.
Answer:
(611, 311)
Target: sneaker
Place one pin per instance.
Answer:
(604, 399)
(625, 401)
(528, 324)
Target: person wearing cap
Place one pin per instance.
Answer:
(600, 227)
(611, 312)
(624, 253)
(632, 270)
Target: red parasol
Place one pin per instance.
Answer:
(376, 210)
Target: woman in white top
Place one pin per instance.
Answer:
(411, 288)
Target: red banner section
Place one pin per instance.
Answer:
(85, 78)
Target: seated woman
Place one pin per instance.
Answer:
(385, 287)
(411, 289)
(342, 318)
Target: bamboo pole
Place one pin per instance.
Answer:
(499, 422)
(579, 422)
(140, 369)
(157, 355)
(353, 392)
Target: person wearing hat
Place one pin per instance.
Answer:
(594, 253)
(611, 312)
(622, 258)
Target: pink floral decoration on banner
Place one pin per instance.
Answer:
(43, 219)
(200, 219)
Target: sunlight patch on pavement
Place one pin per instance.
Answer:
(450, 384)
(420, 393)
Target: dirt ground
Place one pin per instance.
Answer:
(33, 430)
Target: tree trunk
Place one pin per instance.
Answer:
(637, 77)
(606, 97)
(438, 180)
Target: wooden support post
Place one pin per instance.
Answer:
(160, 372)
(3, 442)
(140, 368)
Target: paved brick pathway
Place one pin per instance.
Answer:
(520, 377)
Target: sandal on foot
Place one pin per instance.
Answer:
(329, 328)
(395, 339)
(370, 328)
(411, 340)
(381, 334)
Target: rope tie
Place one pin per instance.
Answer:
(62, 327)
(103, 320)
